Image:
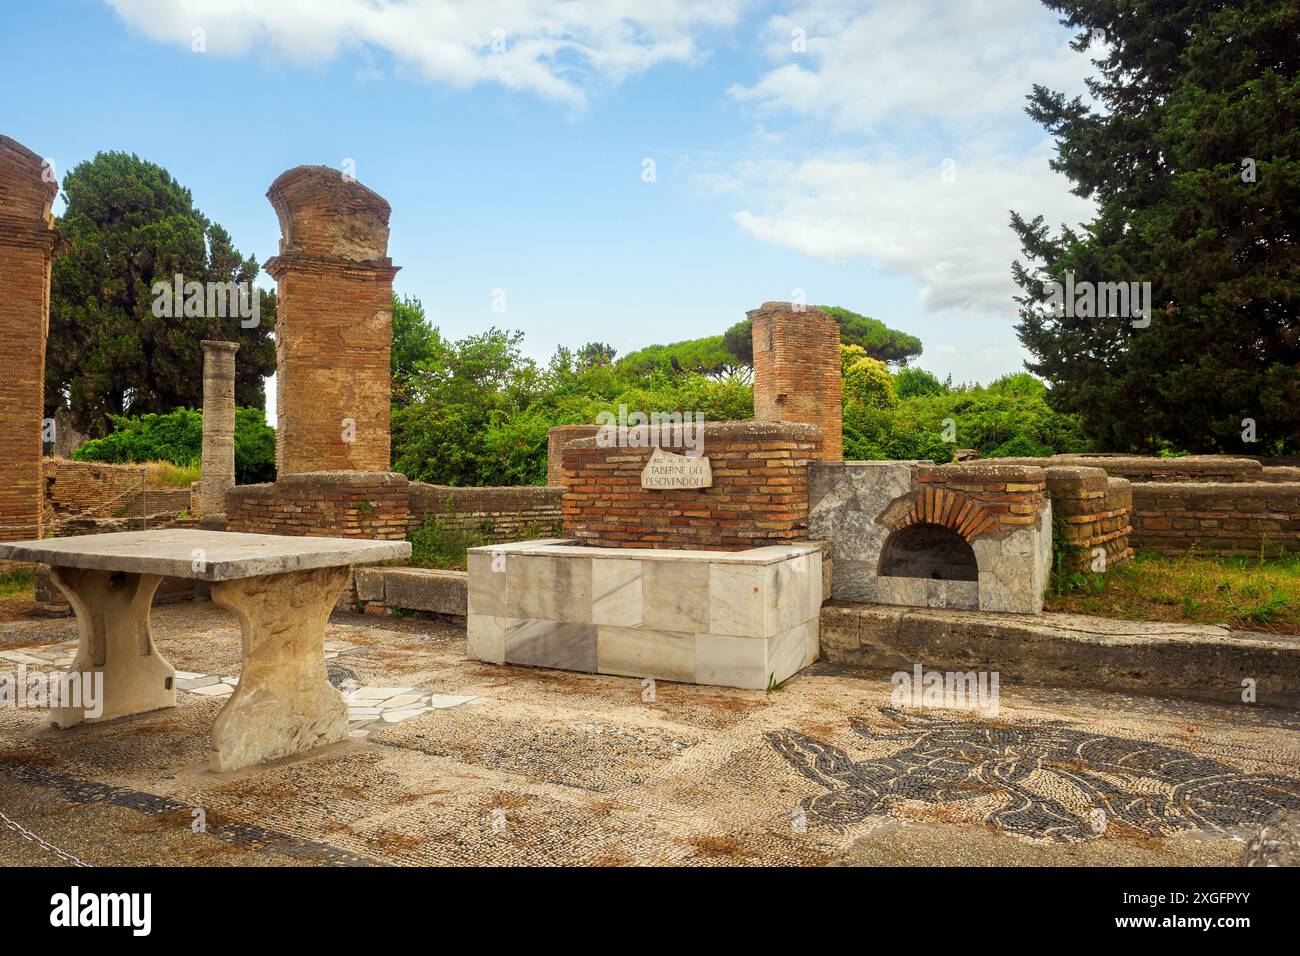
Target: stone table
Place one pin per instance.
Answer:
(282, 588)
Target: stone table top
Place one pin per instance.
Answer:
(205, 555)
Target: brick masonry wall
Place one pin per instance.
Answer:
(495, 514)
(1092, 511)
(27, 247)
(77, 487)
(1238, 518)
(1003, 498)
(323, 504)
(1142, 468)
(759, 494)
(556, 439)
(797, 371)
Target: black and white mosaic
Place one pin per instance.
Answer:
(1047, 780)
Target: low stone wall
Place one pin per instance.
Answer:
(339, 504)
(1197, 661)
(398, 590)
(556, 439)
(1144, 468)
(759, 494)
(1239, 518)
(1091, 510)
(492, 514)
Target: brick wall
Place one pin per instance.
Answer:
(340, 504)
(77, 487)
(1238, 518)
(27, 247)
(556, 439)
(759, 494)
(797, 371)
(495, 514)
(1092, 511)
(1220, 468)
(1003, 497)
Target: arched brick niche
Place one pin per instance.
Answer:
(913, 533)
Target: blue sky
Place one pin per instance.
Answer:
(796, 146)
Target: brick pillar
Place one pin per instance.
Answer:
(556, 439)
(797, 371)
(218, 428)
(334, 323)
(28, 246)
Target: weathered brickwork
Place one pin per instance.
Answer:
(492, 515)
(1091, 510)
(323, 504)
(88, 488)
(1220, 468)
(1238, 518)
(975, 499)
(797, 371)
(28, 245)
(759, 494)
(556, 439)
(334, 323)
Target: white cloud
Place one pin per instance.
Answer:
(552, 48)
(953, 238)
(880, 99)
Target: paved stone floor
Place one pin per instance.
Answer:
(492, 764)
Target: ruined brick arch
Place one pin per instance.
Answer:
(949, 509)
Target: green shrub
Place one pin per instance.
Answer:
(177, 437)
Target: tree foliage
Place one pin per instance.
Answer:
(879, 340)
(177, 436)
(129, 224)
(1192, 155)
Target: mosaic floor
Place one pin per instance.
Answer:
(460, 762)
(367, 706)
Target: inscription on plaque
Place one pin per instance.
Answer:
(666, 470)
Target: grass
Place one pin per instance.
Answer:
(165, 474)
(437, 544)
(1250, 593)
(14, 583)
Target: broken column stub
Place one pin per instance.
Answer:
(797, 370)
(334, 323)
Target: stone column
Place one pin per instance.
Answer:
(334, 323)
(28, 246)
(218, 429)
(797, 370)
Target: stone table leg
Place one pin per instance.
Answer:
(112, 610)
(284, 703)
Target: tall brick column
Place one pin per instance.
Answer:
(334, 324)
(797, 371)
(28, 245)
(218, 428)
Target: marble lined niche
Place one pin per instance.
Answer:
(653, 613)
(616, 592)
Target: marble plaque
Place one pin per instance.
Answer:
(668, 471)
